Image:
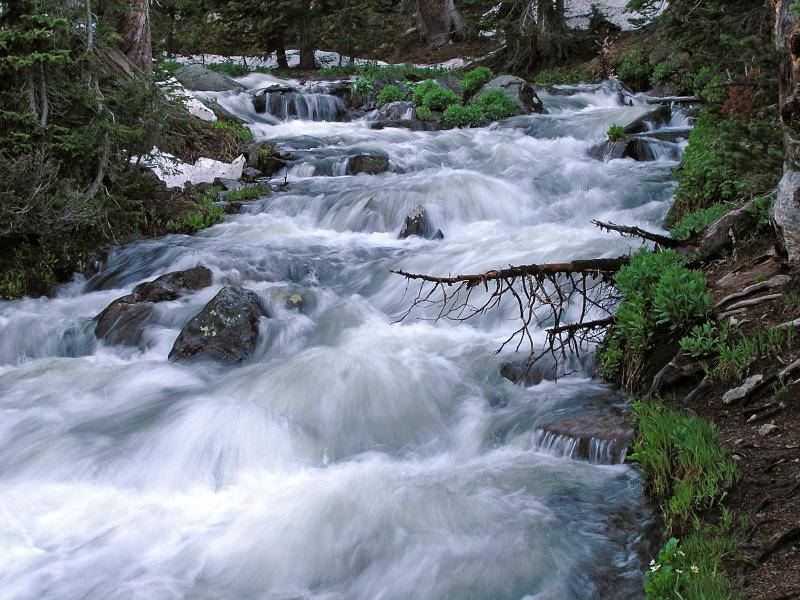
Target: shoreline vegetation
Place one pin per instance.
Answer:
(706, 344)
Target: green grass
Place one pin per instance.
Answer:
(791, 300)
(245, 193)
(691, 569)
(737, 351)
(684, 467)
(239, 131)
(560, 76)
(208, 215)
(372, 69)
(698, 221)
(235, 69)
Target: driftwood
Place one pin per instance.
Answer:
(624, 230)
(774, 283)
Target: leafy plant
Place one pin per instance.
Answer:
(424, 114)
(635, 69)
(727, 160)
(616, 133)
(240, 131)
(690, 570)
(473, 80)
(557, 76)
(737, 352)
(702, 342)
(681, 298)
(663, 70)
(496, 105)
(683, 464)
(390, 93)
(422, 89)
(761, 209)
(363, 85)
(439, 98)
(457, 115)
(245, 193)
(698, 221)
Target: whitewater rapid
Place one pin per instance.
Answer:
(350, 457)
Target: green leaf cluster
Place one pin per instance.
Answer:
(473, 80)
(496, 105)
(390, 93)
(457, 115)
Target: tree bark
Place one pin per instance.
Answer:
(306, 36)
(786, 212)
(439, 21)
(135, 31)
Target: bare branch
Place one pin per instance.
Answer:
(624, 230)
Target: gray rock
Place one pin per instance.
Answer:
(768, 429)
(418, 224)
(519, 90)
(122, 321)
(371, 164)
(741, 392)
(393, 111)
(198, 78)
(228, 184)
(250, 173)
(226, 330)
(785, 216)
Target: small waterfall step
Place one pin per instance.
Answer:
(599, 439)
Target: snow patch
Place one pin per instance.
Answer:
(176, 173)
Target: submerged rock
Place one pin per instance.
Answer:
(519, 90)
(226, 330)
(372, 164)
(198, 78)
(657, 117)
(121, 322)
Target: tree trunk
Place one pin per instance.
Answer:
(550, 26)
(438, 20)
(135, 31)
(306, 36)
(786, 212)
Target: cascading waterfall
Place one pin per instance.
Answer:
(349, 458)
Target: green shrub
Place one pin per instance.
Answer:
(424, 113)
(727, 160)
(439, 99)
(698, 221)
(761, 209)
(683, 465)
(473, 80)
(363, 85)
(422, 89)
(635, 69)
(657, 290)
(374, 70)
(390, 93)
(239, 130)
(681, 298)
(208, 215)
(737, 352)
(663, 70)
(559, 76)
(616, 133)
(496, 105)
(702, 342)
(456, 115)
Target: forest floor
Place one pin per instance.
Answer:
(761, 431)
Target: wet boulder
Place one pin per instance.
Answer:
(121, 322)
(418, 224)
(198, 78)
(371, 164)
(602, 438)
(226, 330)
(520, 91)
(267, 158)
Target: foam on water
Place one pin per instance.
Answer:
(350, 458)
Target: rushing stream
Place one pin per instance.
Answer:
(350, 458)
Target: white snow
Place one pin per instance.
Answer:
(176, 173)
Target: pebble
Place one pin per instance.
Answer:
(743, 390)
(767, 429)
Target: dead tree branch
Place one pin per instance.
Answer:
(625, 230)
(571, 303)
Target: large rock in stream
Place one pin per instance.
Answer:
(200, 79)
(371, 164)
(122, 321)
(418, 224)
(520, 91)
(226, 330)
